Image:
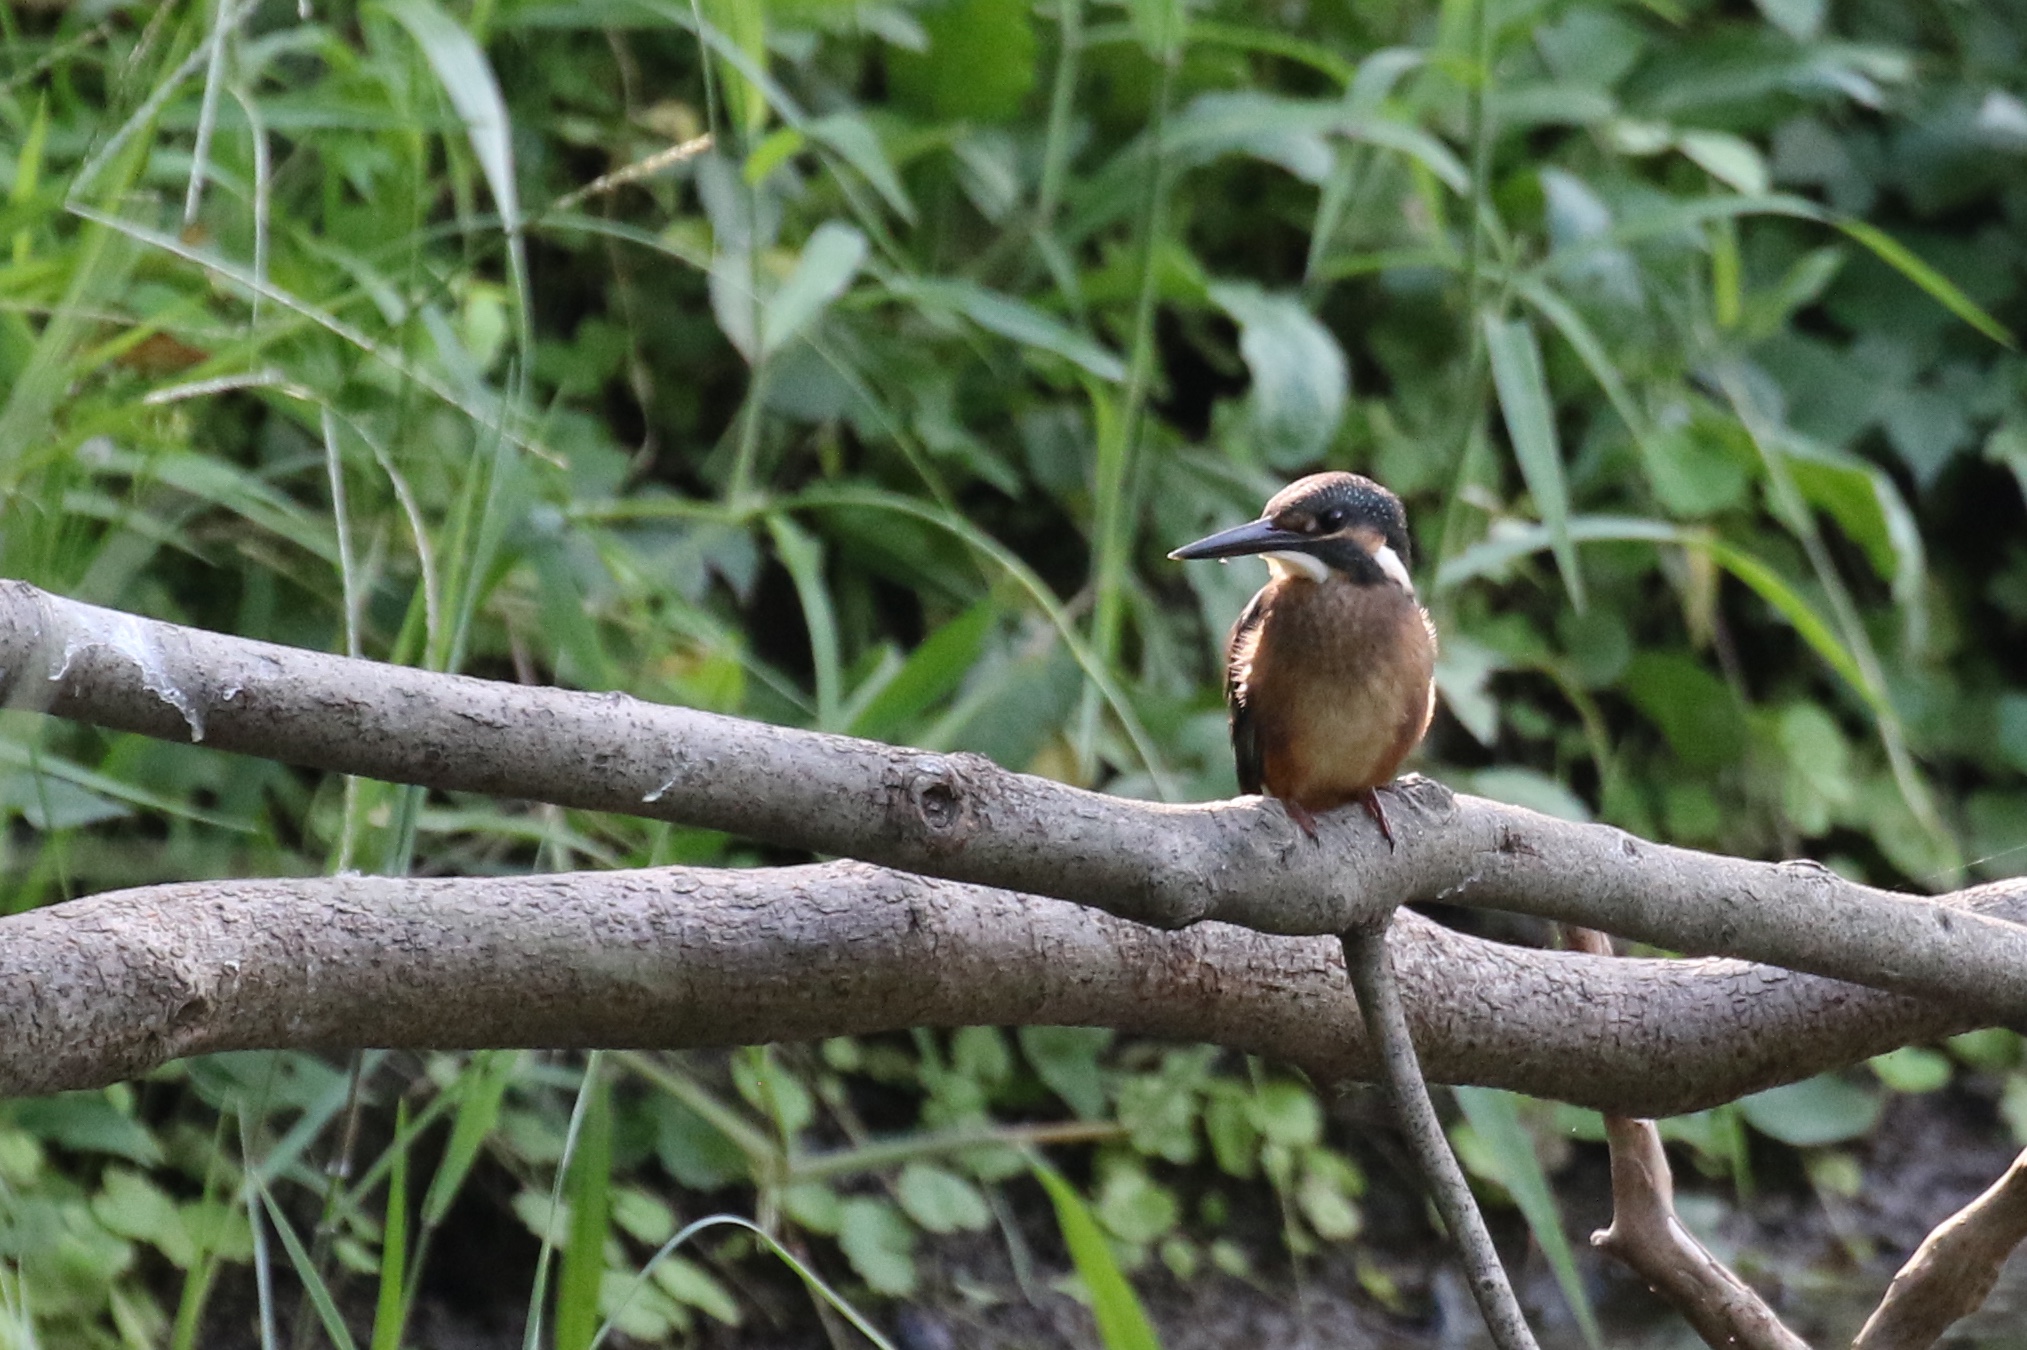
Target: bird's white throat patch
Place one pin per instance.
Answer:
(1289, 563)
(1292, 564)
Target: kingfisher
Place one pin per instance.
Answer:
(1330, 670)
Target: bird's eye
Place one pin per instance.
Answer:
(1331, 520)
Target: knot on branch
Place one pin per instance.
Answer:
(938, 795)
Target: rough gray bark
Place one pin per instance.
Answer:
(961, 817)
(108, 987)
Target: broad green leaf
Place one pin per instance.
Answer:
(1292, 133)
(50, 803)
(777, 148)
(1530, 425)
(1300, 379)
(1868, 507)
(1695, 709)
(1730, 159)
(1827, 1109)
(932, 672)
(1020, 322)
(1288, 1114)
(940, 1200)
(1698, 466)
(855, 142)
(1326, 1195)
(980, 64)
(133, 1206)
(1518, 786)
(688, 1282)
(85, 1122)
(1296, 134)
(741, 225)
(880, 1244)
(1912, 1069)
(1235, 1140)
(1801, 20)
(1066, 1059)
(1133, 1206)
(1122, 1322)
(1160, 25)
(1511, 1152)
(829, 261)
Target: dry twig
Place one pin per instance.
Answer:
(1953, 1270)
(1647, 1235)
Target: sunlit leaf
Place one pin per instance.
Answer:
(829, 261)
(1530, 424)
(1300, 379)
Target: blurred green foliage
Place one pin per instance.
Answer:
(1682, 328)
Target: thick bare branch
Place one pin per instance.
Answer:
(1953, 1270)
(1647, 1235)
(105, 988)
(960, 817)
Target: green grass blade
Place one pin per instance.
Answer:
(802, 556)
(1494, 555)
(1530, 422)
(389, 1308)
(1037, 590)
(1510, 1149)
(590, 1192)
(468, 81)
(306, 1270)
(1940, 288)
(538, 1291)
(809, 1277)
(1122, 1322)
(483, 1083)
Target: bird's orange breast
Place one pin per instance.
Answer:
(1339, 682)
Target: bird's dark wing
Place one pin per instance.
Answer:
(1238, 660)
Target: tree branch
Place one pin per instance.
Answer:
(105, 988)
(1386, 1026)
(1953, 1270)
(960, 817)
(1647, 1235)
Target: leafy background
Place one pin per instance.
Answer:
(1682, 328)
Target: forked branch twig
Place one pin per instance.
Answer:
(1953, 1270)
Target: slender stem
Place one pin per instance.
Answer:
(1386, 1023)
(1062, 104)
(1471, 405)
(1110, 527)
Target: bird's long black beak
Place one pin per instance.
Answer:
(1258, 536)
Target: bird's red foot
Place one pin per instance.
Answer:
(1375, 808)
(1301, 816)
